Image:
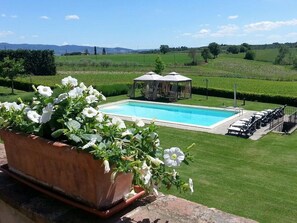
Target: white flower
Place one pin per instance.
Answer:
(106, 166)
(75, 92)
(191, 185)
(118, 122)
(83, 86)
(157, 142)
(69, 81)
(173, 156)
(47, 113)
(93, 91)
(138, 137)
(155, 161)
(33, 116)
(174, 173)
(145, 173)
(138, 121)
(89, 112)
(127, 133)
(129, 195)
(60, 98)
(103, 97)
(91, 99)
(155, 191)
(90, 143)
(44, 91)
(9, 106)
(100, 117)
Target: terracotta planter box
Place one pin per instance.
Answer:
(61, 167)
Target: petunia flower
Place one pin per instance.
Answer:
(91, 99)
(47, 113)
(118, 122)
(106, 166)
(33, 116)
(44, 91)
(173, 156)
(138, 121)
(70, 81)
(89, 112)
(75, 92)
(191, 185)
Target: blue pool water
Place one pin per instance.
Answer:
(169, 113)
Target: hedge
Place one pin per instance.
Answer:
(36, 62)
(277, 99)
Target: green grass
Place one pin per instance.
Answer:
(254, 179)
(6, 95)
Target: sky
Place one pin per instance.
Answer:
(147, 24)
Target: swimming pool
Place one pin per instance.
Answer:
(169, 113)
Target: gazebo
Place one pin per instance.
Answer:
(150, 87)
(172, 86)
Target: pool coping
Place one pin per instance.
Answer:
(239, 111)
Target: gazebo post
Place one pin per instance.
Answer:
(190, 89)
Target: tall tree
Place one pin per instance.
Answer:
(103, 51)
(159, 65)
(206, 54)
(164, 49)
(282, 52)
(215, 49)
(193, 55)
(11, 68)
(95, 50)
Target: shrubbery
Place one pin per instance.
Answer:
(250, 55)
(36, 62)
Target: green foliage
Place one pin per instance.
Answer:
(11, 68)
(104, 51)
(250, 55)
(113, 90)
(295, 63)
(193, 55)
(206, 54)
(281, 57)
(215, 49)
(36, 62)
(233, 49)
(73, 116)
(159, 65)
(244, 47)
(164, 49)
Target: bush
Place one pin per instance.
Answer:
(36, 62)
(277, 99)
(113, 90)
(250, 55)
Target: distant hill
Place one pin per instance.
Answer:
(59, 50)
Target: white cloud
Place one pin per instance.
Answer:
(14, 16)
(35, 36)
(204, 31)
(22, 37)
(226, 30)
(187, 34)
(269, 25)
(71, 17)
(44, 17)
(3, 15)
(65, 43)
(6, 33)
(233, 17)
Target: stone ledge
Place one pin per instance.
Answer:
(19, 203)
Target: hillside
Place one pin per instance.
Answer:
(59, 50)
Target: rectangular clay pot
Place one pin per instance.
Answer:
(63, 168)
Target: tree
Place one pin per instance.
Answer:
(164, 49)
(233, 49)
(250, 55)
(295, 63)
(282, 52)
(104, 51)
(206, 54)
(11, 68)
(193, 55)
(215, 49)
(159, 65)
(95, 50)
(86, 52)
(244, 47)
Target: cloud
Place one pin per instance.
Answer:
(3, 15)
(71, 17)
(44, 17)
(233, 17)
(14, 16)
(6, 33)
(35, 36)
(269, 25)
(226, 30)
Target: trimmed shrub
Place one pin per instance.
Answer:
(36, 62)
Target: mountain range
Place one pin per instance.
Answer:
(59, 50)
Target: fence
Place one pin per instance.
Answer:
(289, 118)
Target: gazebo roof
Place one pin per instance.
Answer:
(150, 76)
(174, 77)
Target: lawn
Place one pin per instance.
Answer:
(254, 179)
